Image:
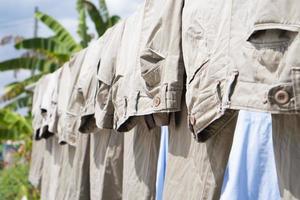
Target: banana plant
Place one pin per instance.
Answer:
(14, 126)
(101, 18)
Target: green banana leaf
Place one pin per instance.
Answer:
(82, 29)
(95, 16)
(13, 90)
(13, 125)
(49, 45)
(18, 103)
(114, 19)
(61, 34)
(28, 63)
(103, 10)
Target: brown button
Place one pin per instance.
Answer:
(192, 120)
(156, 101)
(282, 97)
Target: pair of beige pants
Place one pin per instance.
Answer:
(106, 165)
(51, 169)
(36, 163)
(65, 174)
(123, 165)
(66, 170)
(79, 187)
(195, 170)
(141, 148)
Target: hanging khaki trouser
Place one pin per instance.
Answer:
(195, 170)
(141, 148)
(123, 165)
(79, 188)
(65, 174)
(106, 165)
(51, 169)
(286, 140)
(36, 162)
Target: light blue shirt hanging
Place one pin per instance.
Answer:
(251, 172)
(162, 161)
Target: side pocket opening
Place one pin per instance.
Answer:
(270, 37)
(270, 44)
(197, 70)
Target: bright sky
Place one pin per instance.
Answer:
(16, 18)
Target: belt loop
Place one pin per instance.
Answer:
(125, 106)
(228, 90)
(150, 122)
(137, 96)
(165, 95)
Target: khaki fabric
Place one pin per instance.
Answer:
(195, 170)
(62, 97)
(104, 108)
(53, 112)
(87, 85)
(98, 148)
(239, 55)
(47, 107)
(106, 165)
(79, 186)
(160, 68)
(36, 108)
(64, 92)
(69, 116)
(53, 155)
(36, 163)
(270, 44)
(123, 94)
(65, 174)
(286, 141)
(38, 147)
(149, 72)
(141, 149)
(106, 147)
(140, 145)
(48, 91)
(83, 105)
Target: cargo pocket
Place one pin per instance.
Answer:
(270, 44)
(104, 108)
(102, 95)
(151, 62)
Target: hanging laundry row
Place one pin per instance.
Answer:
(185, 64)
